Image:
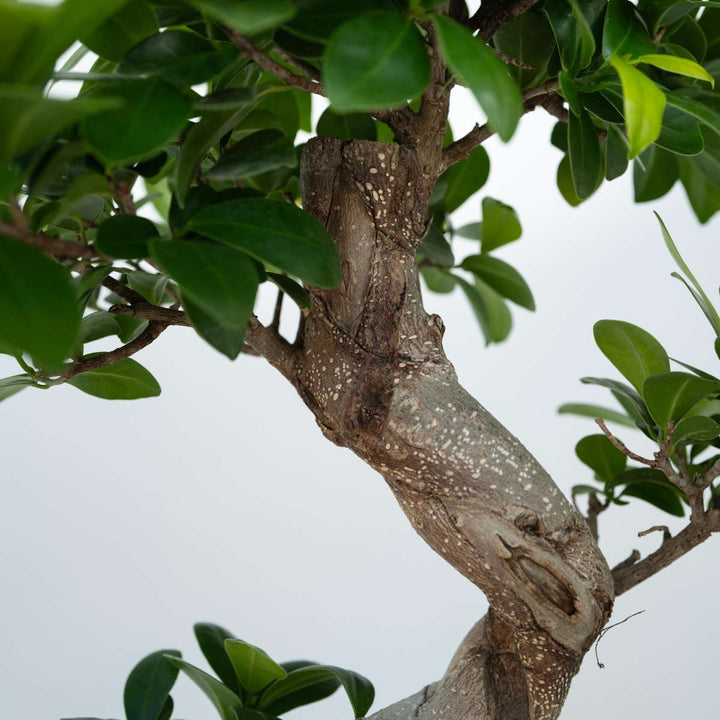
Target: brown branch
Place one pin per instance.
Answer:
(595, 507)
(664, 529)
(277, 312)
(151, 332)
(493, 14)
(155, 313)
(52, 245)
(300, 65)
(511, 60)
(627, 576)
(269, 65)
(620, 445)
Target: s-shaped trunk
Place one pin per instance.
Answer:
(371, 367)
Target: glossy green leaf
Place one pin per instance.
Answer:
(275, 232)
(347, 126)
(502, 277)
(478, 68)
(654, 173)
(643, 106)
(150, 285)
(696, 289)
(678, 65)
(211, 639)
(680, 133)
(318, 19)
(125, 236)
(568, 89)
(148, 686)
(702, 192)
(38, 310)
(584, 490)
(585, 156)
(529, 40)
(695, 429)
(435, 248)
(255, 154)
(596, 411)
(224, 699)
(28, 119)
(224, 100)
(438, 280)
(153, 113)
(247, 16)
(490, 309)
(632, 350)
(124, 380)
(703, 113)
(254, 668)
(624, 32)
(302, 686)
(130, 24)
(661, 497)
(98, 325)
(616, 161)
(375, 61)
(671, 395)
(221, 280)
(181, 58)
(10, 386)
(465, 178)
(293, 290)
(565, 182)
(229, 341)
(627, 396)
(571, 25)
(500, 224)
(599, 454)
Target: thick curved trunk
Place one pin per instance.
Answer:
(371, 367)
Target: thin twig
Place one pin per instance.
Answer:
(277, 312)
(166, 316)
(493, 14)
(269, 65)
(511, 60)
(52, 245)
(610, 627)
(620, 445)
(664, 529)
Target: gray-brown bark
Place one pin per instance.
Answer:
(371, 367)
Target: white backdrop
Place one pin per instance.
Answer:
(123, 523)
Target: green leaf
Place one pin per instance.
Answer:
(254, 668)
(671, 395)
(181, 58)
(221, 280)
(566, 184)
(654, 173)
(678, 65)
(616, 161)
(502, 277)
(661, 497)
(295, 291)
(318, 19)
(500, 225)
(703, 193)
(471, 231)
(9, 386)
(276, 232)
(680, 133)
(596, 411)
(700, 111)
(247, 16)
(573, 34)
(229, 341)
(148, 686)
(224, 699)
(435, 248)
(695, 429)
(125, 236)
(123, 380)
(643, 106)
(438, 280)
(348, 126)
(585, 156)
(478, 68)
(374, 61)
(27, 118)
(529, 40)
(223, 100)
(255, 154)
(153, 113)
(132, 22)
(696, 289)
(585, 489)
(599, 454)
(490, 309)
(211, 639)
(301, 686)
(624, 32)
(38, 310)
(632, 350)
(627, 396)
(150, 285)
(465, 178)
(98, 325)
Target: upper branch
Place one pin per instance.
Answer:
(493, 14)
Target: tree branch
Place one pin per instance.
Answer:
(52, 245)
(493, 14)
(269, 65)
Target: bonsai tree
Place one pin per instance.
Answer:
(193, 107)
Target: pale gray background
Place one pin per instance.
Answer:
(123, 523)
